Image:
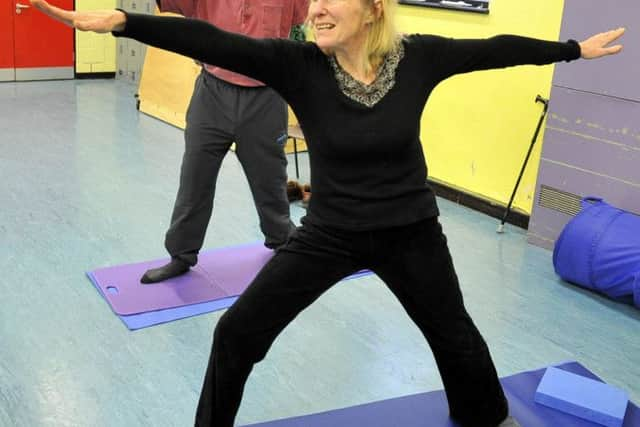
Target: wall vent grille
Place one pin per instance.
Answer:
(558, 200)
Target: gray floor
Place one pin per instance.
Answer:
(86, 181)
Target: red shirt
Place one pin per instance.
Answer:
(254, 18)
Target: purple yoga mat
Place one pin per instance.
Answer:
(152, 318)
(220, 273)
(430, 409)
(220, 276)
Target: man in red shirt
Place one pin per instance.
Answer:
(227, 107)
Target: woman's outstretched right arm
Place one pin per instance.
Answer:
(267, 60)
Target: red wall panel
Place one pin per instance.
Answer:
(39, 40)
(7, 11)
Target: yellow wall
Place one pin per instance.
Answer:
(477, 128)
(95, 53)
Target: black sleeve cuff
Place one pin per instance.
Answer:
(119, 33)
(577, 50)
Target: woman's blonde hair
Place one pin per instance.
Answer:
(382, 37)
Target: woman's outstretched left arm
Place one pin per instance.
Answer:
(465, 55)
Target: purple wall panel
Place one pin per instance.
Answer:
(597, 133)
(613, 76)
(591, 148)
(592, 140)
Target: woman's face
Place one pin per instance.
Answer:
(340, 25)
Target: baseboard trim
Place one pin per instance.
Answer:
(105, 75)
(517, 218)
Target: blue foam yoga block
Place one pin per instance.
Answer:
(583, 397)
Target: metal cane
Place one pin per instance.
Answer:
(524, 165)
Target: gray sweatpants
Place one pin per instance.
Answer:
(218, 115)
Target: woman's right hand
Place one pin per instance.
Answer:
(98, 21)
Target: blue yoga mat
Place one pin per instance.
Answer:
(430, 409)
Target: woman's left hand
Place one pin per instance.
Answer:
(596, 46)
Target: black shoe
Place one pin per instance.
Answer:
(174, 268)
(274, 246)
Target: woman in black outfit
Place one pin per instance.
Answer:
(358, 92)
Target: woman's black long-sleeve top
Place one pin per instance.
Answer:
(368, 169)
